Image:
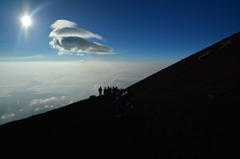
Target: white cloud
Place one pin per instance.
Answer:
(68, 39)
(42, 101)
(68, 45)
(79, 54)
(62, 24)
(63, 97)
(44, 107)
(6, 116)
(73, 32)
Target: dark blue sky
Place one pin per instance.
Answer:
(146, 30)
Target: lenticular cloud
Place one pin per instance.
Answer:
(69, 40)
(63, 24)
(74, 32)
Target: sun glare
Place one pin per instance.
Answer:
(26, 21)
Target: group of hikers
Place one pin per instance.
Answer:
(109, 91)
(119, 96)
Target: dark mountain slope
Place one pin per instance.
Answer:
(197, 96)
(188, 110)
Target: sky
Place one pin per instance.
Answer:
(72, 47)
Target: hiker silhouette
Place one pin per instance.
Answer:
(105, 91)
(109, 92)
(100, 91)
(113, 91)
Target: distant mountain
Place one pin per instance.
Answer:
(189, 110)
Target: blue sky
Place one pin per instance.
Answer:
(146, 30)
(73, 47)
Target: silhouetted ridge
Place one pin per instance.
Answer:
(188, 110)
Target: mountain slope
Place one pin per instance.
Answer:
(196, 101)
(188, 110)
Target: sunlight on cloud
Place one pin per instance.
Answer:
(68, 39)
(63, 24)
(63, 97)
(68, 45)
(42, 101)
(75, 32)
(6, 116)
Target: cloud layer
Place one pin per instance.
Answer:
(29, 88)
(69, 40)
(42, 101)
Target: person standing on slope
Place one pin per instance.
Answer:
(100, 91)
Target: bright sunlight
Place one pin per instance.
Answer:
(26, 21)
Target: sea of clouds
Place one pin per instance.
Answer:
(29, 88)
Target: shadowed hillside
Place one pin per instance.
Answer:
(188, 110)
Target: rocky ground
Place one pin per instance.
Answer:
(188, 110)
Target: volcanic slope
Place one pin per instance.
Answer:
(188, 110)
